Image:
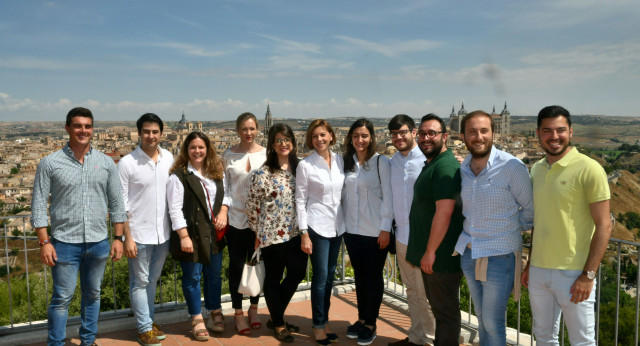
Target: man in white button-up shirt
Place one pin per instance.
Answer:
(144, 174)
(406, 165)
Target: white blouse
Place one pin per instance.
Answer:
(367, 199)
(238, 180)
(318, 194)
(175, 197)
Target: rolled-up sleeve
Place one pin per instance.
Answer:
(522, 190)
(301, 194)
(41, 191)
(175, 200)
(114, 194)
(386, 208)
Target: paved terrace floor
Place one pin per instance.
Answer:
(393, 324)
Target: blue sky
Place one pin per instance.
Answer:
(309, 59)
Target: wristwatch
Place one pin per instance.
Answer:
(118, 237)
(304, 231)
(590, 274)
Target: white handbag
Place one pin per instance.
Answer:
(252, 276)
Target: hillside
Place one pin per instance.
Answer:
(625, 197)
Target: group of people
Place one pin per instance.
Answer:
(446, 216)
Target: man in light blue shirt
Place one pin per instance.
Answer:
(406, 165)
(497, 203)
(82, 184)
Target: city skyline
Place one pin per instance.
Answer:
(215, 60)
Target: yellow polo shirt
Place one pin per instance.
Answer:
(563, 226)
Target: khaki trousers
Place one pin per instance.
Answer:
(423, 324)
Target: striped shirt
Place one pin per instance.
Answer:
(497, 205)
(80, 194)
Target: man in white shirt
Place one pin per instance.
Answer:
(406, 165)
(144, 174)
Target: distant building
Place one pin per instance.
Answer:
(502, 121)
(268, 121)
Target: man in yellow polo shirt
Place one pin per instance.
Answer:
(571, 233)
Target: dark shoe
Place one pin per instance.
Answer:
(283, 335)
(354, 329)
(403, 342)
(159, 333)
(323, 342)
(333, 337)
(148, 338)
(292, 328)
(366, 336)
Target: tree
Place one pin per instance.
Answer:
(14, 170)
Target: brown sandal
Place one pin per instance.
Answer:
(199, 334)
(216, 326)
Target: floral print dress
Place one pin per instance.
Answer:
(270, 206)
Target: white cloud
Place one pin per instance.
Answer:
(293, 46)
(188, 49)
(35, 63)
(391, 48)
(555, 14)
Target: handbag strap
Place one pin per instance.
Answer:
(208, 198)
(378, 168)
(256, 255)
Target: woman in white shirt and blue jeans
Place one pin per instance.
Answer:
(319, 181)
(368, 207)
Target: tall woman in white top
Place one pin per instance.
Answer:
(319, 181)
(239, 162)
(196, 199)
(368, 207)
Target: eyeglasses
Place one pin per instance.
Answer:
(429, 134)
(401, 133)
(281, 141)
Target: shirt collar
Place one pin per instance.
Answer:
(141, 152)
(441, 155)
(67, 150)
(564, 161)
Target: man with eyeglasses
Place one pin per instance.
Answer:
(435, 223)
(406, 165)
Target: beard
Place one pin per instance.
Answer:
(479, 153)
(436, 148)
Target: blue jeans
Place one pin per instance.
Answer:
(191, 273)
(490, 297)
(324, 259)
(549, 295)
(144, 272)
(89, 259)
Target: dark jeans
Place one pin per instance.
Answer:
(324, 258)
(368, 261)
(442, 292)
(278, 293)
(240, 243)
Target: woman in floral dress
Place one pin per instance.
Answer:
(271, 214)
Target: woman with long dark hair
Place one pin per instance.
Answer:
(271, 211)
(319, 181)
(239, 162)
(198, 206)
(368, 207)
